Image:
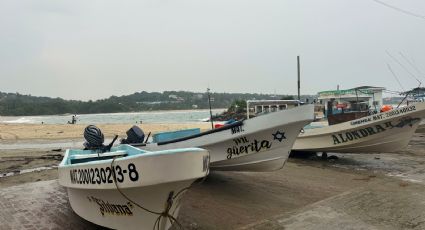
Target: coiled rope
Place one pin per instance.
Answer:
(168, 203)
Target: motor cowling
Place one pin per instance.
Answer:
(94, 137)
(134, 135)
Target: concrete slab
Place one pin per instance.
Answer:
(303, 195)
(388, 205)
(38, 205)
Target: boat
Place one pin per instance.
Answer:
(343, 105)
(417, 95)
(381, 132)
(262, 143)
(130, 188)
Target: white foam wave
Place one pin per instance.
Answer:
(21, 120)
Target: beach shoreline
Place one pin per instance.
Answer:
(31, 152)
(12, 133)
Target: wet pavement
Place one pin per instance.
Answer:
(407, 164)
(38, 205)
(396, 202)
(352, 191)
(389, 206)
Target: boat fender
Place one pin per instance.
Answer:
(386, 108)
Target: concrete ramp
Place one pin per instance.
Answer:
(392, 205)
(39, 205)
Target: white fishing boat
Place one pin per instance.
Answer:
(262, 143)
(381, 132)
(130, 188)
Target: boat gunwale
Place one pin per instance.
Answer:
(187, 169)
(143, 153)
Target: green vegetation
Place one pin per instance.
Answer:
(15, 104)
(238, 106)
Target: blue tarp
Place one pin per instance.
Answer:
(166, 136)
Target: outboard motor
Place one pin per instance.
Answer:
(94, 139)
(134, 135)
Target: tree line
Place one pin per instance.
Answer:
(15, 104)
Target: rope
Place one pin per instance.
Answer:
(404, 67)
(400, 9)
(168, 204)
(125, 196)
(395, 76)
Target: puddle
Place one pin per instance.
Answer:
(23, 171)
(41, 145)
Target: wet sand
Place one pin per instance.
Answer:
(353, 191)
(17, 161)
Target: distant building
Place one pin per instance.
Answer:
(175, 97)
(418, 93)
(255, 107)
(392, 100)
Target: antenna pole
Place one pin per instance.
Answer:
(299, 73)
(209, 103)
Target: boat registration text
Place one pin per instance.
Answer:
(384, 115)
(104, 175)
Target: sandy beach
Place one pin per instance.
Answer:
(16, 157)
(349, 191)
(13, 132)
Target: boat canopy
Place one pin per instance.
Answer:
(362, 91)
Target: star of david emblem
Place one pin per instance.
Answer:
(279, 136)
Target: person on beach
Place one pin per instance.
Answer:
(73, 120)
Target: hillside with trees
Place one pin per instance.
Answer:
(15, 104)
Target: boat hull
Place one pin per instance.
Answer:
(258, 144)
(109, 192)
(265, 159)
(384, 132)
(110, 209)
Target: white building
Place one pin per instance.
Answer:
(254, 107)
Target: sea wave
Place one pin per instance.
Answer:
(173, 116)
(21, 120)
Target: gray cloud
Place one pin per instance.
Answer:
(94, 49)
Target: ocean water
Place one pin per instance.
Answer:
(174, 116)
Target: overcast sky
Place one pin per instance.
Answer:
(94, 49)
